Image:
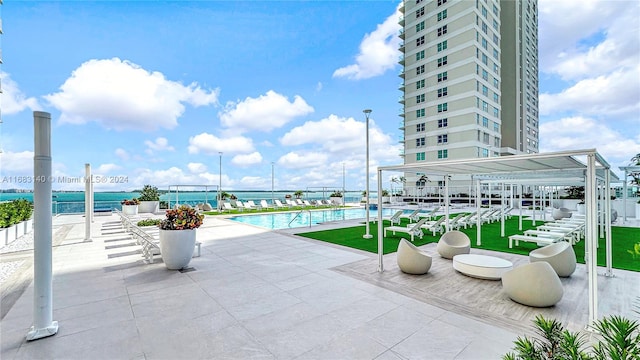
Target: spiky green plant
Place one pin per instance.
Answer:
(619, 340)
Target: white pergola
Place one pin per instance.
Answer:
(559, 168)
(627, 170)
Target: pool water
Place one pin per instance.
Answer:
(295, 219)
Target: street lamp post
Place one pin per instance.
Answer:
(366, 112)
(220, 184)
(272, 198)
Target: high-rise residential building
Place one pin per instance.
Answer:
(470, 85)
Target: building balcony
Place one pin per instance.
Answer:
(401, 86)
(401, 100)
(401, 9)
(401, 60)
(401, 74)
(401, 112)
(401, 34)
(401, 125)
(401, 47)
(401, 21)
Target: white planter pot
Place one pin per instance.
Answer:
(385, 200)
(149, 207)
(336, 200)
(28, 226)
(10, 234)
(176, 247)
(580, 208)
(19, 229)
(130, 209)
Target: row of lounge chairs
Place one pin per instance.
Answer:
(277, 204)
(568, 229)
(424, 221)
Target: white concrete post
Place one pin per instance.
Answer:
(87, 202)
(43, 325)
(502, 212)
(591, 238)
(380, 228)
(479, 207)
(446, 203)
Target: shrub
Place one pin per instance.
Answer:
(336, 194)
(149, 193)
(14, 212)
(182, 218)
(149, 222)
(620, 339)
(133, 201)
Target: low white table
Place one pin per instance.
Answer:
(481, 266)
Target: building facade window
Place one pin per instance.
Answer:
(443, 154)
(442, 15)
(420, 99)
(442, 30)
(442, 123)
(420, 55)
(442, 46)
(419, 84)
(420, 70)
(420, 26)
(420, 113)
(442, 139)
(442, 76)
(442, 61)
(420, 12)
(442, 107)
(440, 2)
(420, 41)
(420, 127)
(420, 156)
(442, 92)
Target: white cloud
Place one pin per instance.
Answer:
(210, 144)
(378, 51)
(620, 99)
(564, 25)
(106, 169)
(122, 95)
(122, 154)
(16, 163)
(573, 133)
(344, 138)
(160, 144)
(265, 113)
(175, 175)
(13, 99)
(303, 159)
(197, 168)
(245, 160)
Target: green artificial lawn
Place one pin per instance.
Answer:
(623, 239)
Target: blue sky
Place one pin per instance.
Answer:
(153, 91)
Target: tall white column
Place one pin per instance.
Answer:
(87, 202)
(43, 325)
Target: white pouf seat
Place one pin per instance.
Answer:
(535, 284)
(453, 243)
(561, 213)
(559, 255)
(481, 266)
(412, 260)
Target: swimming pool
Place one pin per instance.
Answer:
(295, 219)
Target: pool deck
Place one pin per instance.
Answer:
(252, 294)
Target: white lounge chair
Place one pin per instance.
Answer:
(394, 219)
(454, 223)
(431, 214)
(280, 205)
(227, 206)
(413, 229)
(299, 202)
(434, 226)
(265, 205)
(413, 216)
(306, 203)
(252, 205)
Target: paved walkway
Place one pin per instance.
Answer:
(253, 294)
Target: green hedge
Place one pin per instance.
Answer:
(14, 212)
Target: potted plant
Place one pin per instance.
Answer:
(149, 199)
(298, 194)
(178, 236)
(385, 196)
(336, 197)
(130, 206)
